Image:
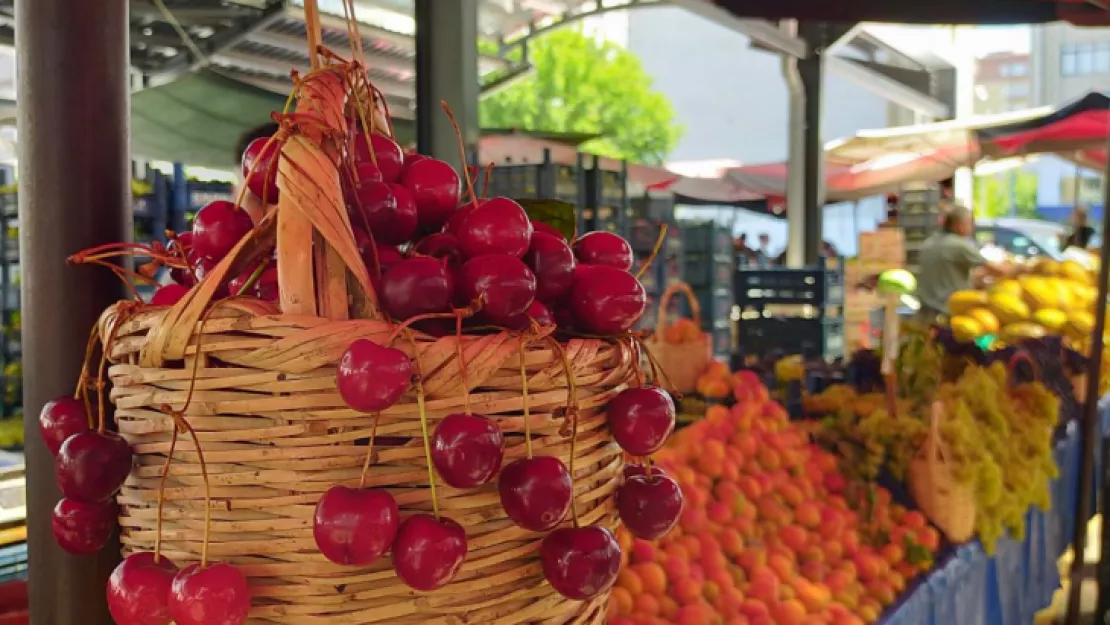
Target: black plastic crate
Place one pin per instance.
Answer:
(643, 234)
(659, 209)
(706, 240)
(818, 286)
(716, 307)
(713, 274)
(811, 337)
(722, 341)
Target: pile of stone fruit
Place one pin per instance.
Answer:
(428, 249)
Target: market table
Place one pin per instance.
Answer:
(968, 587)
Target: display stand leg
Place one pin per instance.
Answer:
(1103, 609)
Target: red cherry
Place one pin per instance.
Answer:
(536, 492)
(168, 295)
(139, 589)
(428, 552)
(371, 377)
(536, 312)
(434, 187)
(83, 528)
(387, 255)
(202, 267)
(61, 418)
(355, 527)
(367, 172)
(215, 595)
(604, 248)
(440, 245)
(505, 285)
(389, 211)
(266, 288)
(606, 300)
(413, 157)
(261, 154)
(539, 226)
(92, 466)
(641, 419)
(416, 286)
(649, 507)
(564, 316)
(638, 469)
(467, 449)
(182, 243)
(218, 227)
(580, 562)
(387, 154)
(498, 226)
(552, 262)
(455, 221)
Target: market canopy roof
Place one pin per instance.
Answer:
(916, 12)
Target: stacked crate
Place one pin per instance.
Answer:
(792, 311)
(605, 204)
(546, 180)
(648, 215)
(919, 215)
(709, 261)
(878, 251)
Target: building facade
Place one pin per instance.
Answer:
(1003, 82)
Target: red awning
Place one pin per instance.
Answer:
(915, 12)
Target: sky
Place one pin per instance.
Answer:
(975, 41)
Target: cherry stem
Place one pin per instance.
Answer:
(369, 451)
(120, 319)
(572, 387)
(367, 129)
(462, 151)
(82, 391)
(570, 468)
(404, 325)
(462, 363)
(655, 250)
(524, 399)
(242, 195)
(162, 496)
(485, 185)
(385, 108)
(180, 420)
(255, 275)
(647, 467)
(420, 407)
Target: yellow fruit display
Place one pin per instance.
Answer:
(1014, 332)
(1053, 320)
(1080, 325)
(1046, 267)
(1008, 308)
(1040, 292)
(986, 319)
(1072, 270)
(965, 328)
(1008, 285)
(962, 301)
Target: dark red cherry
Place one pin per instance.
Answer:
(641, 419)
(606, 300)
(168, 295)
(539, 226)
(202, 267)
(505, 285)
(440, 245)
(92, 466)
(355, 527)
(428, 552)
(456, 219)
(604, 248)
(467, 449)
(434, 187)
(371, 377)
(649, 507)
(536, 492)
(83, 528)
(182, 244)
(215, 595)
(416, 286)
(266, 288)
(638, 469)
(139, 590)
(498, 226)
(536, 312)
(387, 255)
(218, 227)
(261, 155)
(551, 260)
(387, 155)
(413, 157)
(61, 418)
(564, 316)
(367, 172)
(389, 211)
(580, 563)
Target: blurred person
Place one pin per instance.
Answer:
(1081, 233)
(741, 250)
(763, 252)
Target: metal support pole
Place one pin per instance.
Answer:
(811, 70)
(796, 163)
(75, 193)
(446, 71)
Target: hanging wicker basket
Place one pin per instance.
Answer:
(682, 363)
(257, 384)
(948, 503)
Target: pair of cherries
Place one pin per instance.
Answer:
(150, 590)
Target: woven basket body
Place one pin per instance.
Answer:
(275, 435)
(682, 362)
(949, 504)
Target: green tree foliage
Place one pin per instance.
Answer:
(993, 195)
(582, 85)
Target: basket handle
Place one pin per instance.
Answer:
(932, 444)
(665, 302)
(1019, 356)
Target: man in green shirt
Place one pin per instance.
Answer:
(948, 259)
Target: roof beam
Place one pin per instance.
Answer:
(297, 45)
(399, 106)
(888, 88)
(762, 32)
(280, 69)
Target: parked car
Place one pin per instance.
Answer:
(1026, 237)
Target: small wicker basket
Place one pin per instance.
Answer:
(949, 504)
(682, 363)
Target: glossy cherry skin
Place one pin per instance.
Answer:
(83, 528)
(388, 210)
(373, 255)
(92, 466)
(649, 507)
(455, 220)
(215, 595)
(536, 493)
(266, 288)
(387, 154)
(604, 248)
(182, 244)
(371, 377)
(498, 226)
(580, 563)
(168, 295)
(606, 300)
(218, 227)
(641, 419)
(434, 187)
(467, 450)
(537, 313)
(428, 553)
(262, 155)
(413, 157)
(539, 226)
(440, 245)
(61, 418)
(504, 284)
(552, 262)
(416, 286)
(638, 469)
(355, 527)
(139, 589)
